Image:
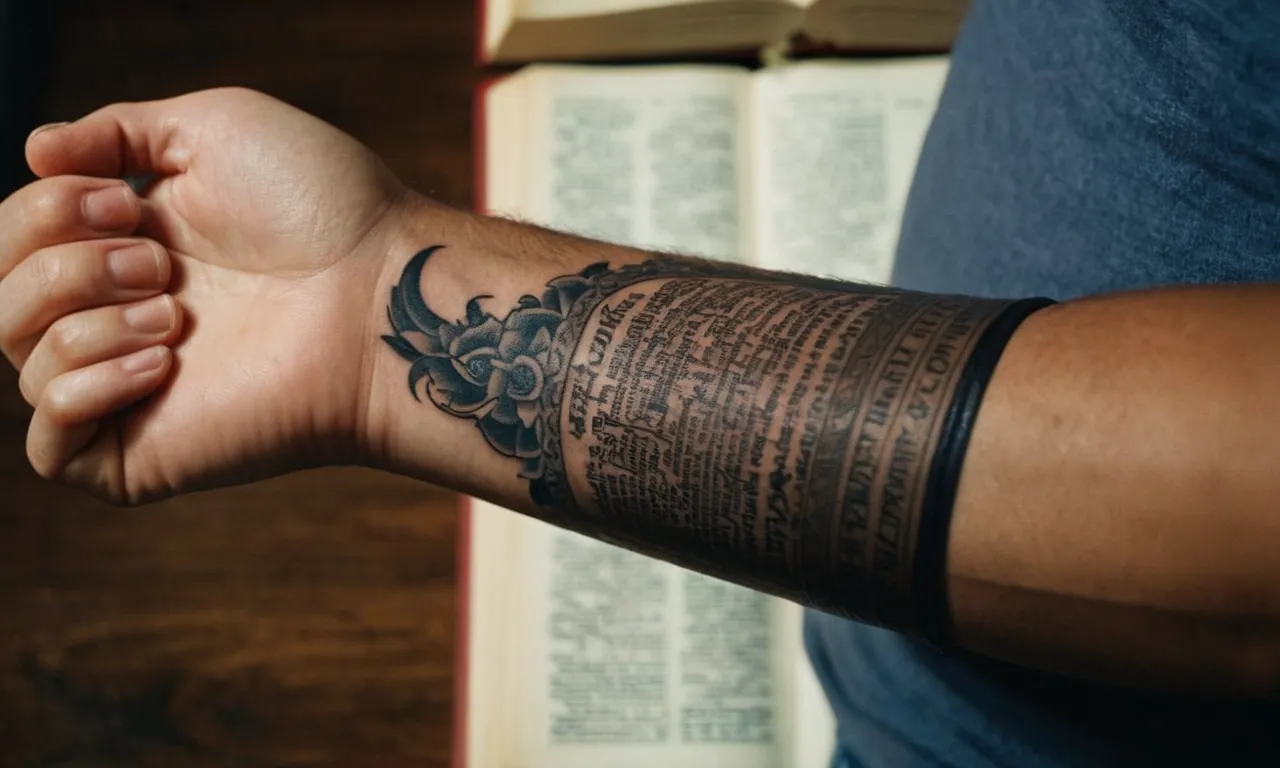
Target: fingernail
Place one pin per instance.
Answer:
(152, 316)
(45, 127)
(111, 209)
(138, 266)
(145, 361)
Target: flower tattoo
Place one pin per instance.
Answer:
(485, 368)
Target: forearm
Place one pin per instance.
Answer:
(1097, 480)
(775, 430)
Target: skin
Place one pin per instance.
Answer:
(1115, 513)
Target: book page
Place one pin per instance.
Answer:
(630, 661)
(647, 156)
(836, 149)
(620, 659)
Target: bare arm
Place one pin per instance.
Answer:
(1113, 515)
(1118, 511)
(1113, 512)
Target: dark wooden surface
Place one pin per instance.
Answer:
(305, 621)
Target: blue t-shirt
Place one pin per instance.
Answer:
(1080, 146)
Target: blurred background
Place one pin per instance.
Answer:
(307, 621)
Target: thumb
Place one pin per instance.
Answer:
(114, 142)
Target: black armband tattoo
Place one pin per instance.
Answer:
(799, 435)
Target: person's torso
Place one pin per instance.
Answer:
(1081, 146)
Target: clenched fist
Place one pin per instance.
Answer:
(213, 329)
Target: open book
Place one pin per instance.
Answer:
(527, 30)
(578, 654)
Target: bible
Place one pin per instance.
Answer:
(577, 653)
(529, 30)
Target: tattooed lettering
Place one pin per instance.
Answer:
(772, 429)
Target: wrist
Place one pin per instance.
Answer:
(413, 222)
(467, 274)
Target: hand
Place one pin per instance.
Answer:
(215, 330)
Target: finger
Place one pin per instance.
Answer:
(61, 210)
(69, 278)
(119, 140)
(70, 407)
(89, 337)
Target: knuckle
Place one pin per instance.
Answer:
(66, 337)
(58, 404)
(49, 205)
(64, 277)
(51, 270)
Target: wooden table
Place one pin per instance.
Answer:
(305, 621)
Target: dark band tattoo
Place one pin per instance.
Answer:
(798, 435)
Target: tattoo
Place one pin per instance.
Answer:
(775, 430)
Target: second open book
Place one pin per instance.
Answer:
(527, 30)
(579, 654)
